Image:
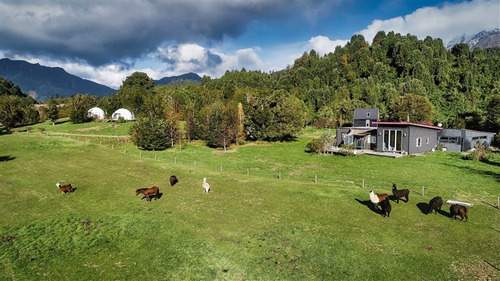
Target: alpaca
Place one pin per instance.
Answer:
(173, 180)
(460, 210)
(205, 185)
(400, 193)
(377, 198)
(148, 192)
(435, 204)
(65, 188)
(386, 207)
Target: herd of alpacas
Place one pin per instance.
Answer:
(435, 204)
(381, 200)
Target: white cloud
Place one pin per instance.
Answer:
(446, 22)
(323, 45)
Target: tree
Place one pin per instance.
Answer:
(418, 108)
(11, 112)
(78, 107)
(53, 111)
(150, 133)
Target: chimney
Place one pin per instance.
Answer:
(408, 118)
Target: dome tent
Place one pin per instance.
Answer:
(122, 112)
(96, 112)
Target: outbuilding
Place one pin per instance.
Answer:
(463, 140)
(96, 113)
(122, 112)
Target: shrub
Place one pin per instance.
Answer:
(480, 153)
(121, 119)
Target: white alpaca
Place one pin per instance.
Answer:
(205, 185)
(374, 197)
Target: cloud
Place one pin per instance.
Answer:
(446, 22)
(323, 45)
(103, 32)
(204, 61)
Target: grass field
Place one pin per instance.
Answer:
(251, 226)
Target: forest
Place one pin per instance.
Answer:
(399, 74)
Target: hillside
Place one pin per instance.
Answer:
(48, 81)
(186, 78)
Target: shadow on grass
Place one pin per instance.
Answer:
(424, 207)
(472, 170)
(6, 158)
(61, 122)
(153, 198)
(370, 206)
(491, 205)
(489, 162)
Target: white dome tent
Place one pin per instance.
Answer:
(122, 112)
(96, 112)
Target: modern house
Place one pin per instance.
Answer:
(369, 133)
(406, 137)
(463, 140)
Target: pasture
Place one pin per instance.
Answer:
(251, 226)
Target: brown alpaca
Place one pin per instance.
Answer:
(147, 192)
(459, 210)
(65, 188)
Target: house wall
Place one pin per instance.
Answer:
(471, 137)
(380, 137)
(339, 133)
(423, 133)
(447, 137)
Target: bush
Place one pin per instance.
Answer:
(314, 146)
(480, 153)
(321, 145)
(121, 119)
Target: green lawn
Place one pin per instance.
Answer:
(251, 226)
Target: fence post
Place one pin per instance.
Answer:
(112, 146)
(363, 183)
(279, 175)
(221, 167)
(315, 178)
(195, 164)
(423, 190)
(155, 156)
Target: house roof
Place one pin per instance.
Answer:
(361, 113)
(408, 124)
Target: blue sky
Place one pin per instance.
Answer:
(105, 41)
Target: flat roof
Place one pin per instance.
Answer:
(408, 124)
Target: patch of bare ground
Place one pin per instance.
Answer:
(96, 128)
(476, 270)
(223, 151)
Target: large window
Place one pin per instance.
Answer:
(419, 142)
(393, 140)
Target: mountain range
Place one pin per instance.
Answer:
(42, 82)
(483, 40)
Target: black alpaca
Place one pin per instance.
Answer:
(386, 207)
(459, 210)
(435, 204)
(173, 180)
(400, 193)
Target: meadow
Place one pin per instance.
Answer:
(266, 217)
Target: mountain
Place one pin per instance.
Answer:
(48, 81)
(186, 78)
(483, 40)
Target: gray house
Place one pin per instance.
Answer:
(463, 140)
(364, 117)
(406, 137)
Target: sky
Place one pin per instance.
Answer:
(106, 41)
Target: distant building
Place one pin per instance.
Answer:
(463, 140)
(96, 113)
(122, 112)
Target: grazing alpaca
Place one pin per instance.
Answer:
(460, 210)
(400, 193)
(147, 192)
(65, 188)
(377, 198)
(205, 185)
(173, 180)
(386, 207)
(435, 204)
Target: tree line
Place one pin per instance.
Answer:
(399, 74)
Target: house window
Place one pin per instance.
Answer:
(427, 140)
(368, 115)
(367, 123)
(419, 142)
